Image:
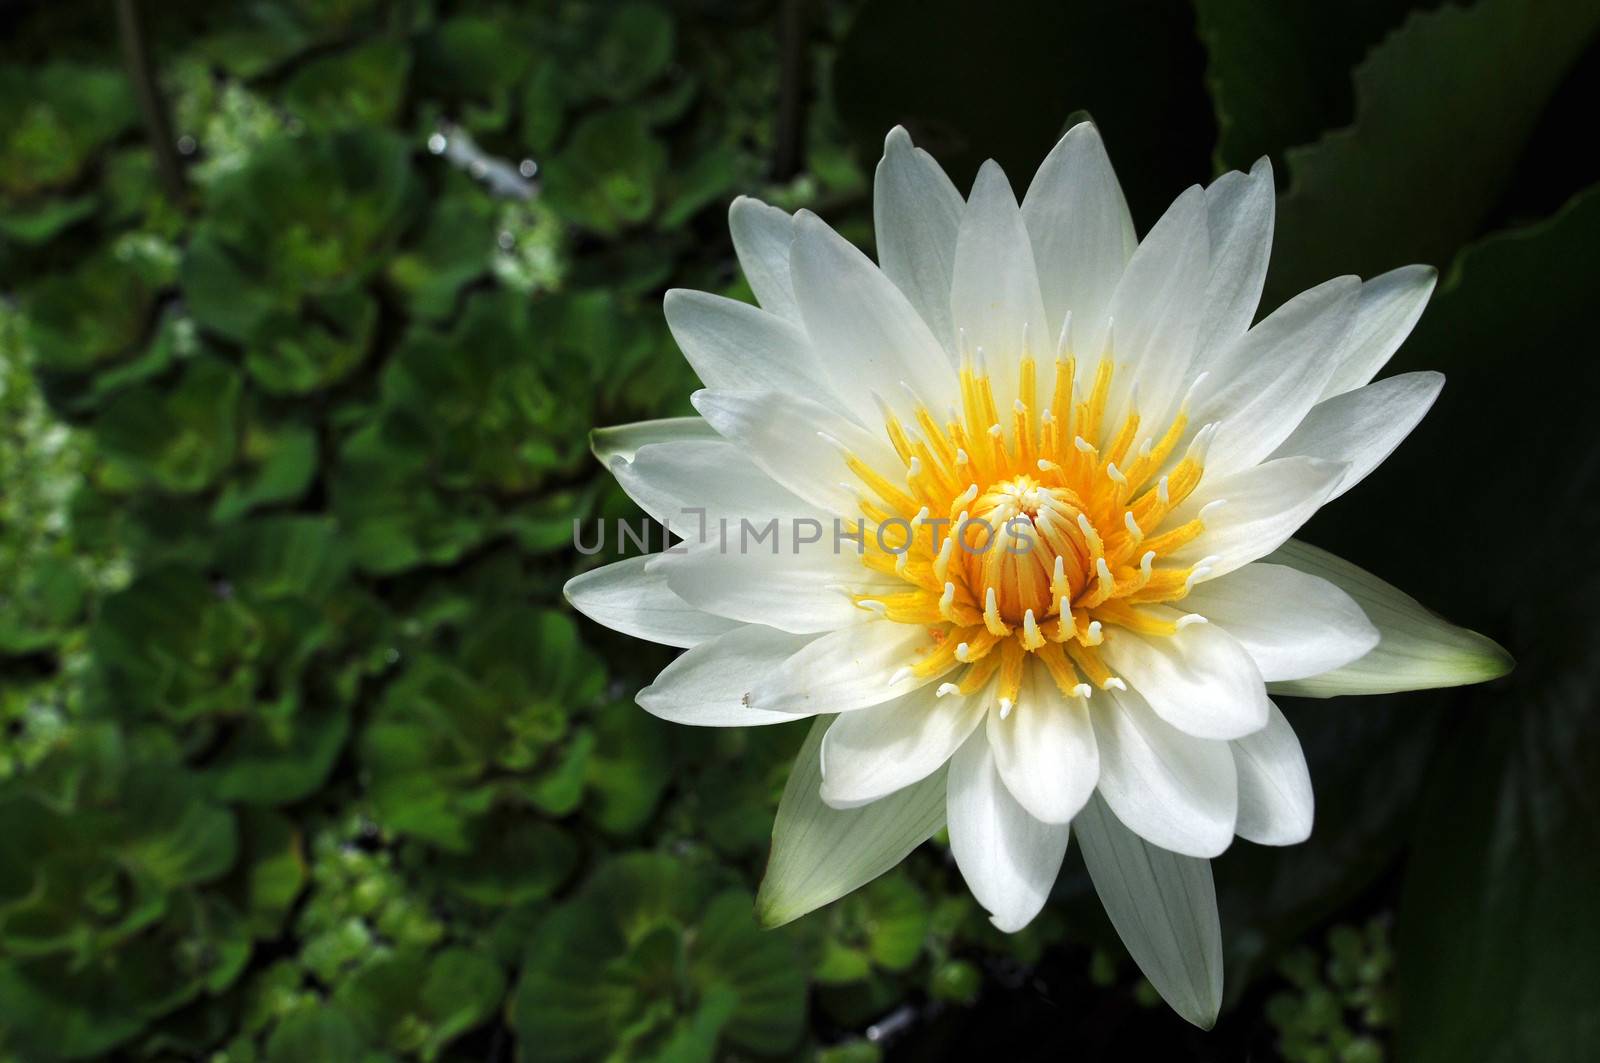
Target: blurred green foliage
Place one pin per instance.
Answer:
(304, 758)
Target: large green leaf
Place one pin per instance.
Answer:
(1499, 944)
(1303, 50)
(1444, 107)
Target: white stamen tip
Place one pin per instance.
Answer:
(1116, 474)
(1132, 526)
(834, 442)
(996, 431)
(1005, 707)
(961, 457)
(1082, 690)
(1019, 406)
(1047, 418)
(1083, 444)
(963, 653)
(1115, 684)
(946, 689)
(873, 605)
(1163, 492)
(1188, 619)
(900, 676)
(1211, 507)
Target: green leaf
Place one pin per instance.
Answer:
(361, 86)
(94, 314)
(52, 119)
(1417, 650)
(1441, 117)
(606, 177)
(1303, 50)
(177, 438)
(650, 962)
(819, 854)
(1498, 943)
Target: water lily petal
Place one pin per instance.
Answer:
(1275, 799)
(852, 668)
(624, 440)
(1255, 511)
(870, 338)
(1175, 790)
(762, 237)
(1239, 214)
(819, 854)
(709, 685)
(871, 753)
(1257, 390)
(1200, 680)
(1082, 237)
(1389, 307)
(1416, 650)
(1363, 427)
(1009, 859)
(1291, 623)
(1045, 751)
(994, 299)
(916, 213)
(1158, 306)
(1164, 907)
(734, 346)
(624, 597)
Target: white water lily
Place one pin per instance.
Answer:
(1075, 467)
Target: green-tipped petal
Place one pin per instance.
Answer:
(1164, 907)
(624, 440)
(819, 854)
(1417, 650)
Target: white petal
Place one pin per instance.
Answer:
(819, 854)
(1292, 624)
(1082, 236)
(1157, 308)
(734, 346)
(1200, 680)
(1239, 211)
(1275, 799)
(624, 597)
(1416, 650)
(624, 440)
(671, 480)
(762, 236)
(709, 685)
(1260, 388)
(1164, 907)
(797, 443)
(871, 753)
(768, 580)
(869, 337)
(1175, 790)
(1045, 749)
(1390, 306)
(851, 668)
(916, 213)
(1259, 509)
(1009, 859)
(1362, 427)
(994, 298)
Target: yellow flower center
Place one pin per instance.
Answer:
(1032, 535)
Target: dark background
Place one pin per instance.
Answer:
(306, 310)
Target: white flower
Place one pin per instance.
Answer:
(1076, 467)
